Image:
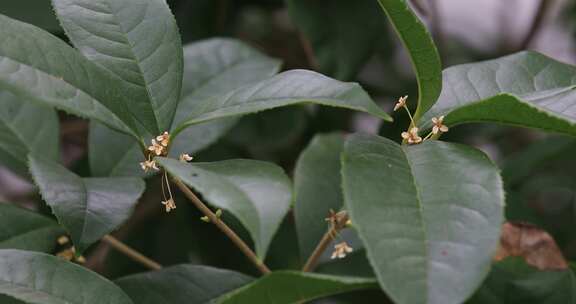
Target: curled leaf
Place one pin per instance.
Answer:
(531, 243)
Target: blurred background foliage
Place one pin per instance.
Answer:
(348, 40)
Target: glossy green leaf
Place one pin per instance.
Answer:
(188, 284)
(214, 67)
(26, 127)
(37, 66)
(217, 66)
(429, 215)
(88, 208)
(340, 51)
(317, 189)
(525, 89)
(423, 54)
(39, 278)
(287, 88)
(211, 67)
(138, 41)
(284, 287)
(27, 230)
(513, 281)
(256, 192)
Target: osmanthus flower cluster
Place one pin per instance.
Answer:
(411, 135)
(159, 147)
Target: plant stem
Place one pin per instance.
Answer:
(131, 253)
(319, 250)
(222, 226)
(338, 224)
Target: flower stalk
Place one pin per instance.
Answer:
(338, 221)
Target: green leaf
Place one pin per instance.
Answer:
(26, 127)
(189, 284)
(112, 153)
(525, 89)
(287, 88)
(37, 66)
(317, 189)
(39, 278)
(284, 287)
(423, 54)
(211, 67)
(27, 230)
(138, 41)
(513, 281)
(429, 215)
(339, 50)
(217, 66)
(256, 192)
(88, 208)
(214, 67)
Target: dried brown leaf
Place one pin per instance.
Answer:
(531, 243)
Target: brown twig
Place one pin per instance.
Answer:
(222, 226)
(133, 254)
(338, 221)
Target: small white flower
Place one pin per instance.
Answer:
(169, 204)
(439, 125)
(341, 250)
(185, 158)
(156, 148)
(148, 164)
(412, 136)
(400, 103)
(163, 139)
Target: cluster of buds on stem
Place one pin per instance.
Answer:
(411, 135)
(338, 221)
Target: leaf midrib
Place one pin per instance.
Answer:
(422, 218)
(131, 47)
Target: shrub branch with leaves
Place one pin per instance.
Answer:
(427, 214)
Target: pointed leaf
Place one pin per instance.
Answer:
(273, 288)
(340, 51)
(217, 66)
(428, 214)
(211, 67)
(189, 284)
(256, 192)
(39, 278)
(37, 66)
(423, 54)
(287, 88)
(138, 41)
(26, 127)
(27, 230)
(525, 89)
(88, 208)
(317, 189)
